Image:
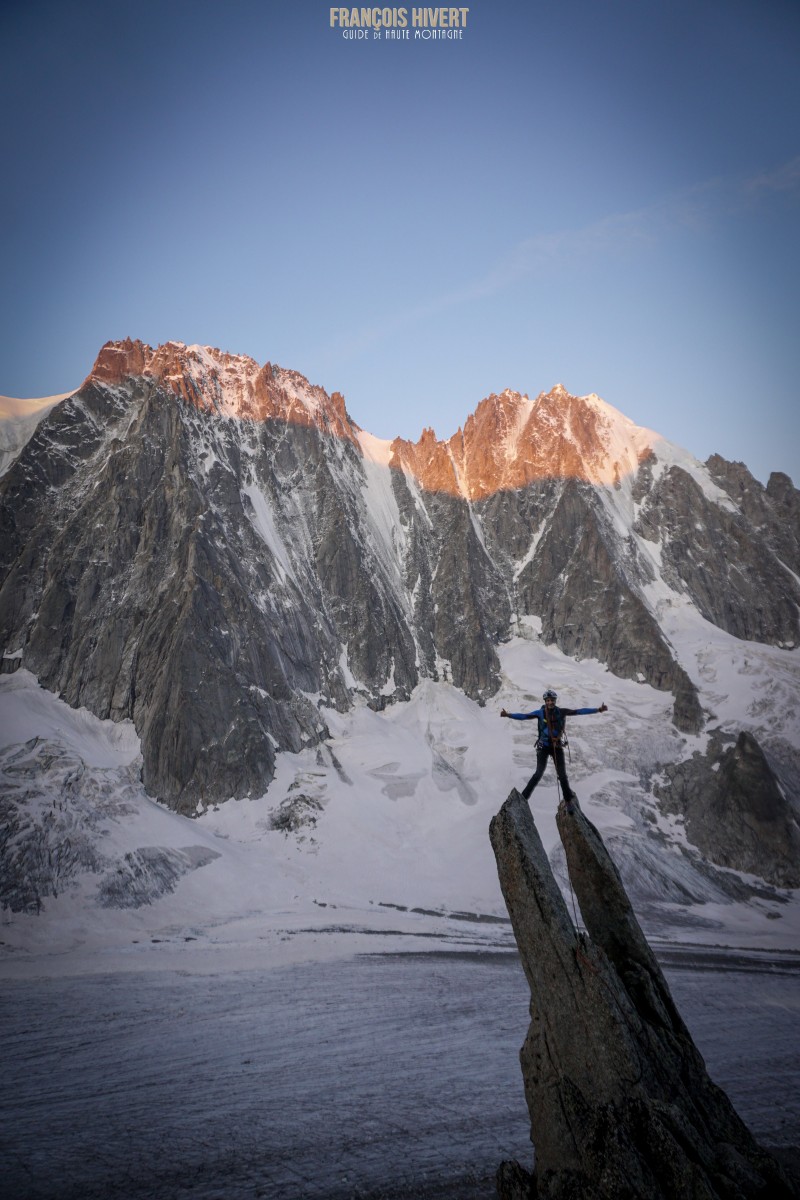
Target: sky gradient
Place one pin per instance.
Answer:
(602, 193)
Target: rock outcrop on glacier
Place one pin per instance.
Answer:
(214, 549)
(620, 1102)
(735, 810)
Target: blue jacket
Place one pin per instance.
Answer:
(557, 721)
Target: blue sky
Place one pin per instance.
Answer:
(603, 193)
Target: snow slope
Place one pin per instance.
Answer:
(379, 838)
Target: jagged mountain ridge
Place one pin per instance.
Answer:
(214, 548)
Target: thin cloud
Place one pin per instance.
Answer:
(785, 178)
(531, 257)
(695, 208)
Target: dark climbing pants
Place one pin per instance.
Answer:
(543, 757)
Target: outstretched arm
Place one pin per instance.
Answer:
(518, 716)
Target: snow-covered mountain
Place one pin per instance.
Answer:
(278, 608)
(18, 419)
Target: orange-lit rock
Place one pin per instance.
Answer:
(231, 384)
(119, 360)
(510, 441)
(507, 443)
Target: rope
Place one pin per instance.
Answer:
(560, 795)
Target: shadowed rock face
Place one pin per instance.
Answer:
(621, 1105)
(736, 579)
(590, 610)
(735, 809)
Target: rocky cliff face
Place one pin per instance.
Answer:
(725, 558)
(735, 809)
(214, 548)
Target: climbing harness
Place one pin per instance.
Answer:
(557, 737)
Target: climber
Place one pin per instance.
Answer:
(551, 740)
